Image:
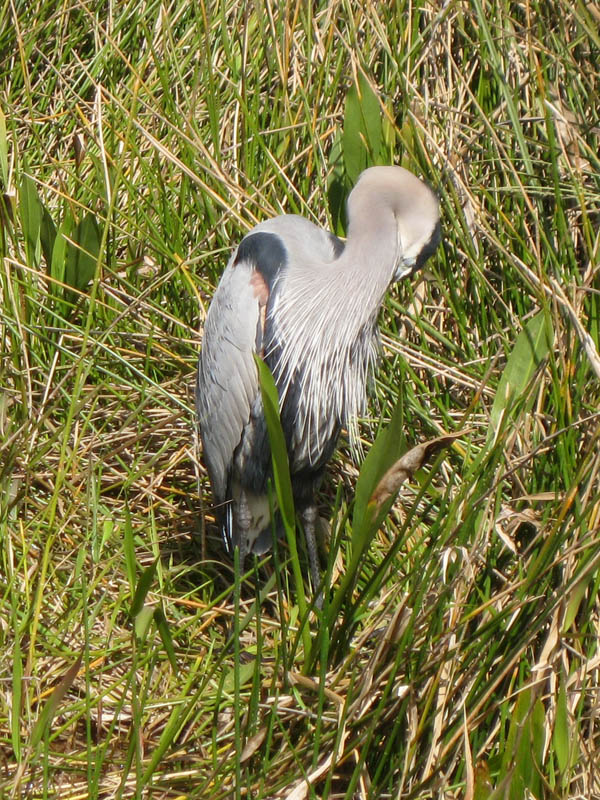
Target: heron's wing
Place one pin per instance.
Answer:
(227, 376)
(235, 329)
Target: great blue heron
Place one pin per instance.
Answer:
(307, 303)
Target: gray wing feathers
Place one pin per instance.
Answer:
(227, 375)
(306, 244)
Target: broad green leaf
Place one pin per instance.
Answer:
(386, 449)
(142, 621)
(359, 146)
(82, 253)
(378, 492)
(337, 187)
(372, 119)
(59, 250)
(47, 237)
(355, 153)
(30, 210)
(560, 734)
(362, 136)
(531, 347)
(246, 672)
(367, 519)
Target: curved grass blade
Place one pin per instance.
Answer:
(58, 693)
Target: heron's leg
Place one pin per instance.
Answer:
(309, 521)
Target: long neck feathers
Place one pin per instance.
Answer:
(325, 332)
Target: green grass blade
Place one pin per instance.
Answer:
(283, 487)
(129, 552)
(3, 150)
(165, 634)
(142, 588)
(281, 469)
(560, 733)
(17, 695)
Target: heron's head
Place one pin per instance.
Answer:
(384, 191)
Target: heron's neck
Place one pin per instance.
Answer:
(326, 324)
(365, 269)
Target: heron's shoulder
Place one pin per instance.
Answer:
(301, 239)
(263, 251)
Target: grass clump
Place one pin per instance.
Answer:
(138, 143)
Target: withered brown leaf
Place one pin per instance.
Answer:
(408, 464)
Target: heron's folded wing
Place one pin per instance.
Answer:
(227, 375)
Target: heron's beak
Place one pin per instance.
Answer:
(405, 268)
